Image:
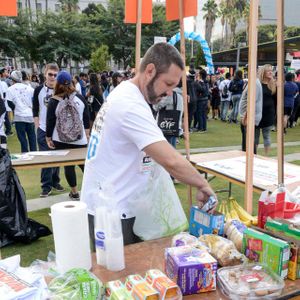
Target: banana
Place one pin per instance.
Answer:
(243, 214)
(233, 212)
(255, 221)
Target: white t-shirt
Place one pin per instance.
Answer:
(21, 95)
(78, 88)
(3, 90)
(221, 87)
(123, 128)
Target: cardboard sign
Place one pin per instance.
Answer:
(131, 7)
(8, 8)
(172, 9)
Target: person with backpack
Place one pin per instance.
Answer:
(50, 179)
(225, 96)
(215, 97)
(68, 123)
(192, 99)
(236, 89)
(202, 94)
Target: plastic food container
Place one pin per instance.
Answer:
(249, 282)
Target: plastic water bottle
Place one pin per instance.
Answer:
(100, 235)
(115, 260)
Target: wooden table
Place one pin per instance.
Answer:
(215, 156)
(150, 255)
(74, 157)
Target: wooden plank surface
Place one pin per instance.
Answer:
(150, 255)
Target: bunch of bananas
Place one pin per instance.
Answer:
(233, 211)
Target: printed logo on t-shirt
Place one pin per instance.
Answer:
(146, 164)
(96, 132)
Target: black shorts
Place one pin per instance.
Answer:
(287, 111)
(3, 139)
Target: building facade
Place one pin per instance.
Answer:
(54, 5)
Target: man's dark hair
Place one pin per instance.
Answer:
(24, 75)
(82, 74)
(289, 76)
(238, 75)
(227, 75)
(203, 74)
(162, 55)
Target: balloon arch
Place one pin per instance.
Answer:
(196, 37)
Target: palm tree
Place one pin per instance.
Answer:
(69, 5)
(211, 9)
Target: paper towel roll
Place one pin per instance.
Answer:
(71, 235)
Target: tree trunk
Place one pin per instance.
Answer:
(46, 6)
(30, 11)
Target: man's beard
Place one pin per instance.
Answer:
(152, 97)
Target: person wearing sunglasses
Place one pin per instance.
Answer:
(50, 179)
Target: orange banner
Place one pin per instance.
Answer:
(172, 9)
(131, 11)
(8, 8)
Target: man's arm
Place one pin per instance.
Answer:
(164, 154)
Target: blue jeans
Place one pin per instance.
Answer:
(235, 107)
(224, 109)
(26, 131)
(49, 176)
(171, 140)
(202, 114)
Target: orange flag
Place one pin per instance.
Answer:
(131, 11)
(8, 8)
(172, 9)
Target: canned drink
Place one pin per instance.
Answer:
(211, 202)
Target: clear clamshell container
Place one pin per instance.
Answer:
(249, 282)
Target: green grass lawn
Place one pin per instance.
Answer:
(219, 134)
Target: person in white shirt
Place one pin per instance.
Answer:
(19, 97)
(126, 140)
(225, 96)
(50, 179)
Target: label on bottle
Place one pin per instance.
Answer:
(99, 239)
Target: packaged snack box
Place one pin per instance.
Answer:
(194, 270)
(203, 223)
(168, 290)
(139, 289)
(115, 290)
(263, 248)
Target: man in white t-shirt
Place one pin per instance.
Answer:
(19, 96)
(225, 96)
(125, 141)
(49, 176)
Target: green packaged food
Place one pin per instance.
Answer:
(76, 284)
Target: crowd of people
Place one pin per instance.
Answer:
(224, 97)
(34, 101)
(30, 103)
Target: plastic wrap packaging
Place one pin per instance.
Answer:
(76, 284)
(184, 239)
(249, 282)
(234, 230)
(223, 250)
(71, 235)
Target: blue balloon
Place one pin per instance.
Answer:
(196, 37)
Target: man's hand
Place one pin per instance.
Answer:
(50, 143)
(203, 195)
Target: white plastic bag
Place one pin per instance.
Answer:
(157, 207)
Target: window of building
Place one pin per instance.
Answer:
(23, 64)
(19, 5)
(57, 7)
(39, 6)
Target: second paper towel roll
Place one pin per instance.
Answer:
(71, 235)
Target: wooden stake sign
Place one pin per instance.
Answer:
(8, 8)
(251, 103)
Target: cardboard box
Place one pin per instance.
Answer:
(115, 290)
(194, 270)
(139, 289)
(167, 288)
(284, 226)
(204, 223)
(263, 248)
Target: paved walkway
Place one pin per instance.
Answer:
(41, 203)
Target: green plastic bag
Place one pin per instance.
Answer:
(76, 284)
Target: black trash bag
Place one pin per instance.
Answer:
(15, 226)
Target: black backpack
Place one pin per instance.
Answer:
(225, 93)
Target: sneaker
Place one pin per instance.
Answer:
(74, 196)
(59, 188)
(45, 193)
